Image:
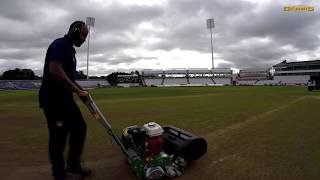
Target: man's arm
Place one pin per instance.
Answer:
(78, 86)
(57, 73)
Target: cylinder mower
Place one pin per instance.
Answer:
(154, 151)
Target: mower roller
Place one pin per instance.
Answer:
(153, 151)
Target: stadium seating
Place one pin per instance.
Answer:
(175, 81)
(35, 84)
(246, 83)
(153, 82)
(224, 81)
(24, 85)
(93, 83)
(200, 80)
(293, 80)
(6, 85)
(19, 84)
(267, 82)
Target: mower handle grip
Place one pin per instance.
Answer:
(95, 111)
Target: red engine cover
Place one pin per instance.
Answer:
(154, 145)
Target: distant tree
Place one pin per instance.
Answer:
(113, 78)
(81, 75)
(19, 74)
(27, 74)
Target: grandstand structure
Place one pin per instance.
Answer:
(255, 77)
(296, 73)
(284, 73)
(153, 77)
(187, 77)
(222, 76)
(200, 77)
(175, 77)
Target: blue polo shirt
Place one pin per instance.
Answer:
(52, 92)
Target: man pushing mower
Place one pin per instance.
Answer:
(153, 151)
(61, 111)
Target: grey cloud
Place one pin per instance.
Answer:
(116, 17)
(191, 32)
(298, 29)
(20, 54)
(29, 27)
(237, 21)
(225, 65)
(127, 59)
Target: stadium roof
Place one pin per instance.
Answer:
(185, 71)
(298, 63)
(222, 70)
(152, 71)
(250, 70)
(198, 70)
(176, 71)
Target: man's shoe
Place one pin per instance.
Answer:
(73, 177)
(59, 176)
(68, 177)
(83, 172)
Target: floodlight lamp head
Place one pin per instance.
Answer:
(90, 21)
(210, 23)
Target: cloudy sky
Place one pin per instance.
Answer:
(161, 34)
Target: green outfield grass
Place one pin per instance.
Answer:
(252, 132)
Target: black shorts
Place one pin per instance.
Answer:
(65, 114)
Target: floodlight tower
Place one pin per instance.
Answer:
(210, 25)
(90, 23)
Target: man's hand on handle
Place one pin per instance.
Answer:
(83, 95)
